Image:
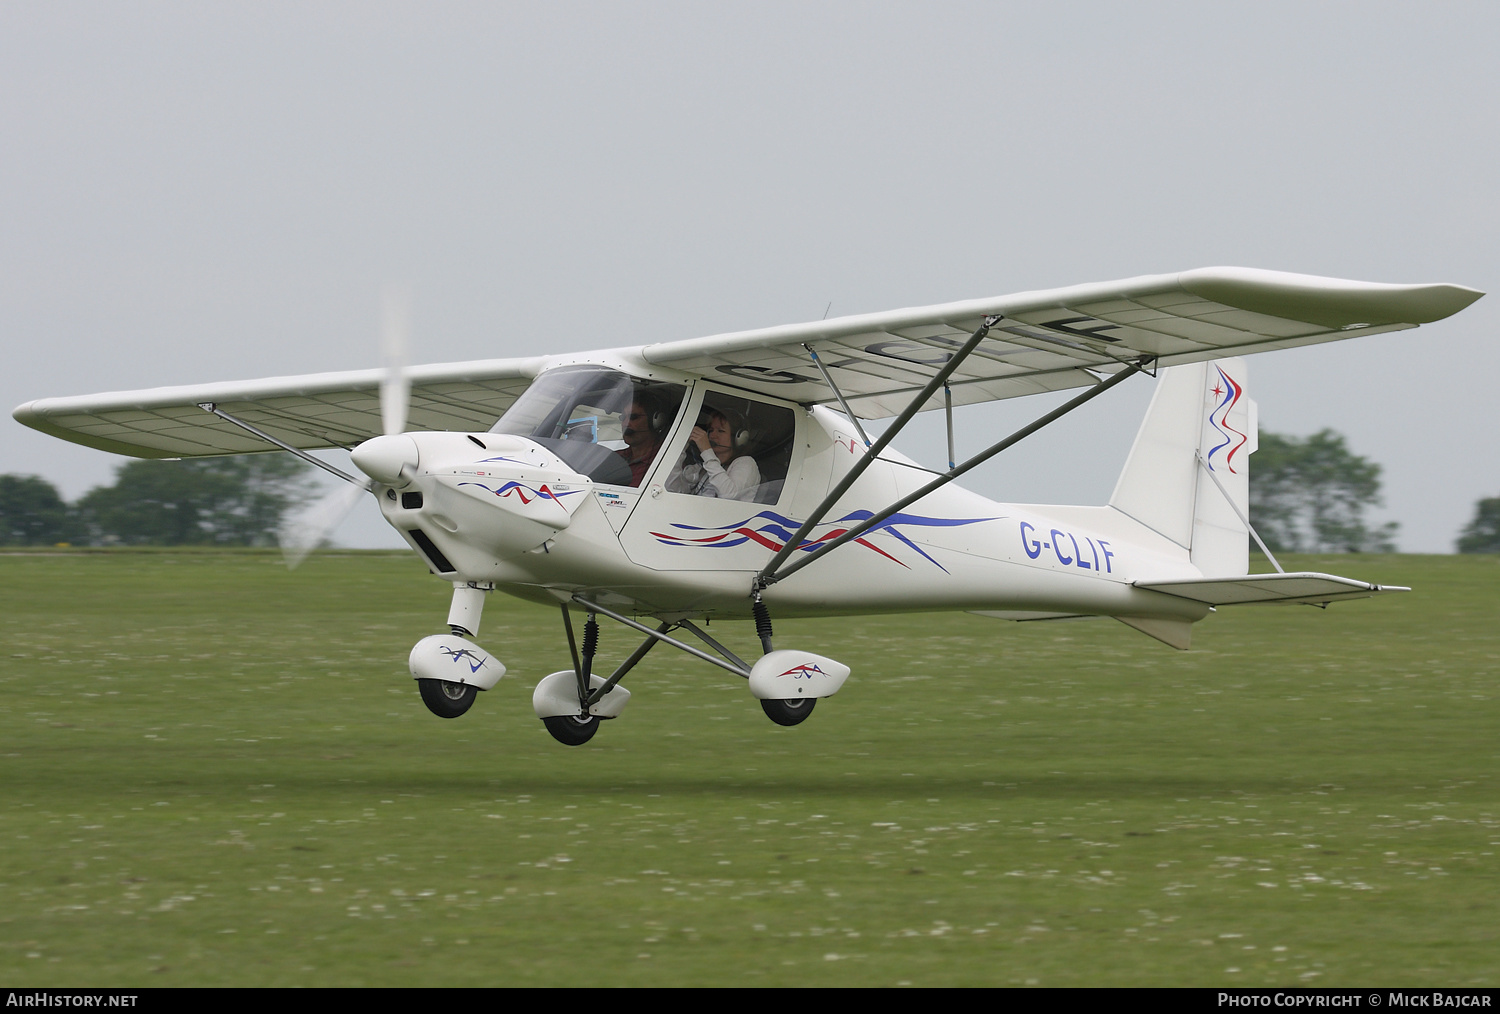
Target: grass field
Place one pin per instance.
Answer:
(216, 772)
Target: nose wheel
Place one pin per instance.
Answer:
(445, 699)
(436, 660)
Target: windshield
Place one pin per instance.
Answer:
(601, 422)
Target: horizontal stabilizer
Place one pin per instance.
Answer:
(1233, 591)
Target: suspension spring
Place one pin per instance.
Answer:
(762, 623)
(590, 637)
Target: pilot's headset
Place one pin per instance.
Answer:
(740, 433)
(657, 417)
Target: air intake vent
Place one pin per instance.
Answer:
(435, 556)
(411, 501)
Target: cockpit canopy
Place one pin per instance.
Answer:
(582, 414)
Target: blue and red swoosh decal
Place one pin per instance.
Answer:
(524, 492)
(773, 531)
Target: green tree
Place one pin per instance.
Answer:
(1482, 535)
(1309, 494)
(230, 501)
(32, 513)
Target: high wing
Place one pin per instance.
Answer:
(1057, 338)
(308, 412)
(1047, 341)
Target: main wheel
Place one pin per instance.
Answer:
(447, 700)
(572, 730)
(793, 711)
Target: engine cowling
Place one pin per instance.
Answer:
(500, 495)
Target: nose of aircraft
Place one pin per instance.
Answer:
(386, 458)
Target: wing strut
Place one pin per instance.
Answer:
(1236, 508)
(770, 576)
(840, 394)
(767, 576)
(209, 406)
(948, 412)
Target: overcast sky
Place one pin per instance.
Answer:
(196, 192)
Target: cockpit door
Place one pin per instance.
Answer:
(726, 513)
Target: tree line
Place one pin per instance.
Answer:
(1310, 494)
(230, 501)
(1307, 494)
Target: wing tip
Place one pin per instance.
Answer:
(1332, 302)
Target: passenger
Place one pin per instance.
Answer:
(719, 471)
(642, 441)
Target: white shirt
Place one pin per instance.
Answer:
(708, 477)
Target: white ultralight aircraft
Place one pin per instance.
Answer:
(687, 480)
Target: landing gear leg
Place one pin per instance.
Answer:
(791, 711)
(451, 669)
(585, 670)
(467, 608)
(762, 624)
(576, 730)
(571, 703)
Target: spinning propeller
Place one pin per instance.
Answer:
(384, 458)
(395, 389)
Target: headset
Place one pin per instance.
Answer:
(739, 434)
(657, 418)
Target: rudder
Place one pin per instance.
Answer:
(1200, 427)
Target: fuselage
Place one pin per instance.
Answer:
(507, 509)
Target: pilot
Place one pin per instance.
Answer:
(642, 440)
(719, 471)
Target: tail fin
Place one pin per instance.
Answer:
(1199, 423)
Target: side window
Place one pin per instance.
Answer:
(739, 450)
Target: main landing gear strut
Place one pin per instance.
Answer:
(783, 711)
(451, 670)
(572, 703)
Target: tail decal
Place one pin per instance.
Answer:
(1227, 392)
(1188, 475)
